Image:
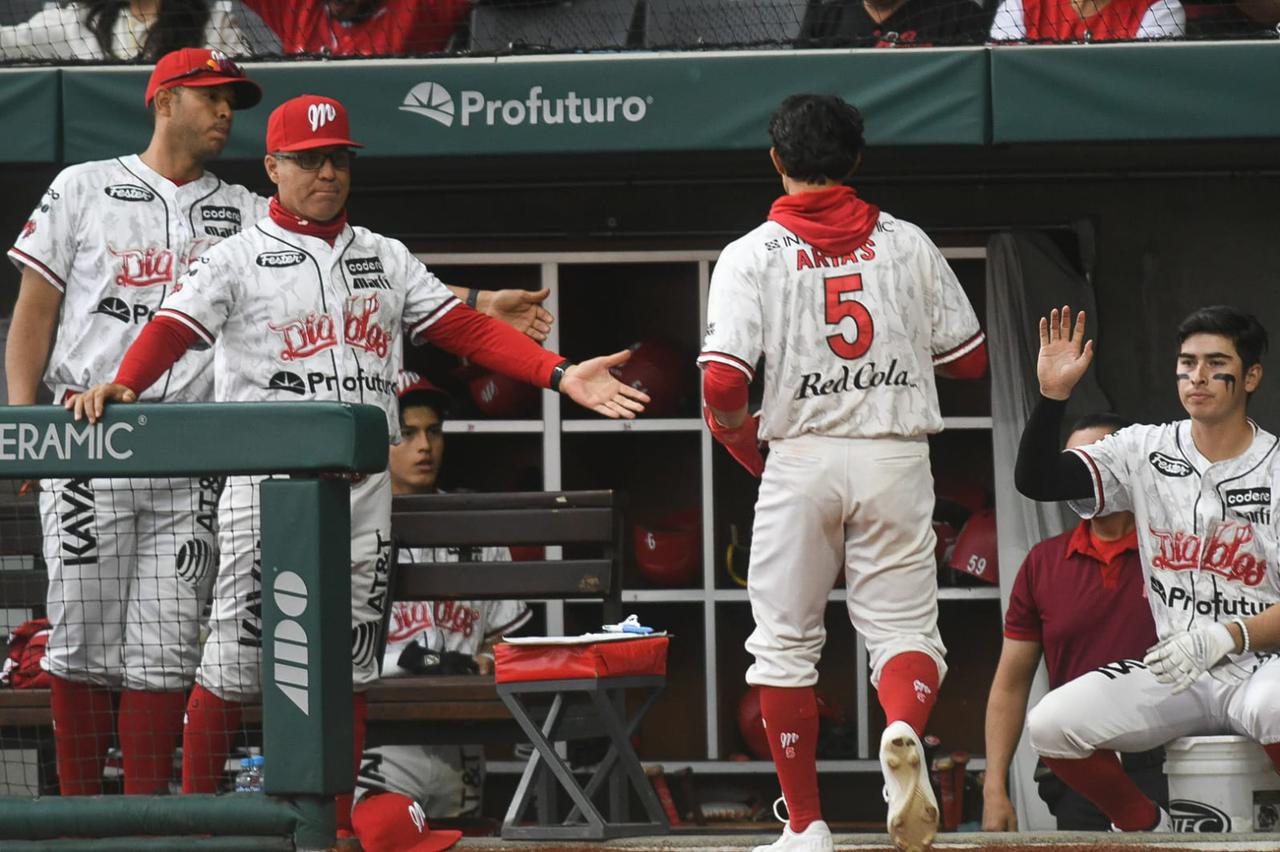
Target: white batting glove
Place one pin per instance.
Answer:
(1182, 658)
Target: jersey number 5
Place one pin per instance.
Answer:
(838, 307)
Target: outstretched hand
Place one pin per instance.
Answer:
(1064, 353)
(591, 385)
(522, 310)
(91, 403)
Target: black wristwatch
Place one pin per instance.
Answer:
(557, 373)
(473, 296)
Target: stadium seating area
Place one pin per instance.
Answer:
(103, 31)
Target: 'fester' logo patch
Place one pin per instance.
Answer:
(1168, 465)
(278, 259)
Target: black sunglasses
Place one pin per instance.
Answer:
(222, 67)
(312, 160)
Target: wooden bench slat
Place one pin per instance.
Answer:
(434, 687)
(488, 501)
(485, 527)
(567, 578)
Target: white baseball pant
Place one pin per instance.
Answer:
(231, 666)
(1122, 707)
(864, 506)
(130, 564)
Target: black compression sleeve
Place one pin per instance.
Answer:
(1043, 472)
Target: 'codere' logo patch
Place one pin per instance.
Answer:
(1168, 465)
(279, 259)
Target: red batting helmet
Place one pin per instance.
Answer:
(501, 396)
(669, 550)
(663, 371)
(977, 551)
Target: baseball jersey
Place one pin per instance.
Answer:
(1205, 530)
(290, 317)
(113, 236)
(850, 341)
(464, 627)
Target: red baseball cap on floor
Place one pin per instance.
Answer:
(199, 66)
(390, 822)
(308, 121)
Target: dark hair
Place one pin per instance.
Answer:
(180, 23)
(1243, 329)
(436, 401)
(1102, 419)
(817, 137)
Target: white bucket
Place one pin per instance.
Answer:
(1221, 784)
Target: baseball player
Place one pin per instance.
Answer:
(853, 310)
(1201, 491)
(302, 306)
(423, 637)
(130, 561)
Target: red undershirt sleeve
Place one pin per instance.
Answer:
(162, 342)
(723, 387)
(493, 344)
(970, 365)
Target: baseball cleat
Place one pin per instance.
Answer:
(815, 838)
(1164, 823)
(913, 810)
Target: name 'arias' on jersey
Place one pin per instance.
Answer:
(849, 341)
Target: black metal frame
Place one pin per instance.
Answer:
(619, 768)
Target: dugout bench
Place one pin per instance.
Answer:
(444, 708)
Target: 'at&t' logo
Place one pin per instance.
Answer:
(143, 267)
(1225, 553)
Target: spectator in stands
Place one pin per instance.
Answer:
(123, 30)
(425, 637)
(1080, 598)
(361, 27)
(893, 23)
(1220, 19)
(1088, 20)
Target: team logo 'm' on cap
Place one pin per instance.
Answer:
(308, 121)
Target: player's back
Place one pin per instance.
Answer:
(849, 340)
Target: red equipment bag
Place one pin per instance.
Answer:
(638, 656)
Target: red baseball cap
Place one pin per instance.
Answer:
(390, 822)
(199, 66)
(308, 121)
(409, 382)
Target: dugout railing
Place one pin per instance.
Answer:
(306, 546)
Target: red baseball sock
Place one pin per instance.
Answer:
(206, 739)
(150, 729)
(1101, 779)
(359, 718)
(791, 724)
(81, 735)
(908, 689)
(1273, 752)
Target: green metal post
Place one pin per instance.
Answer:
(306, 649)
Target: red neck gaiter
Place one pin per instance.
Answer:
(327, 231)
(833, 220)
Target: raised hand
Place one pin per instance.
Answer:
(1064, 353)
(93, 402)
(591, 385)
(520, 309)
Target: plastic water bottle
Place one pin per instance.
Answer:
(257, 780)
(244, 778)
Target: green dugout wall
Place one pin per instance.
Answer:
(601, 103)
